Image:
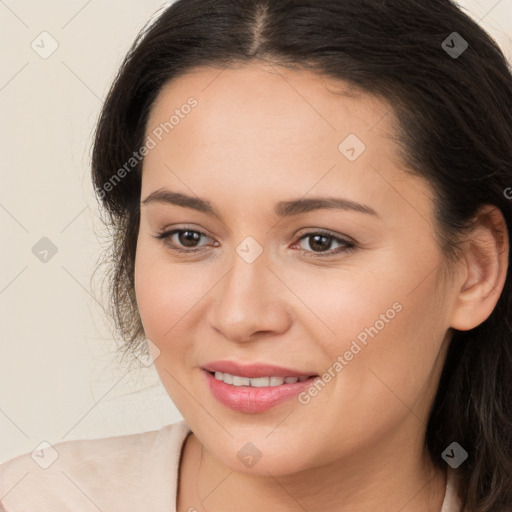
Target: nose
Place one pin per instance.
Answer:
(249, 302)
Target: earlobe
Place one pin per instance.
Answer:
(485, 269)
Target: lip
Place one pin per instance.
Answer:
(254, 370)
(252, 400)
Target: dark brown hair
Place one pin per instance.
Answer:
(454, 112)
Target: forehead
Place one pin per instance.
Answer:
(261, 128)
(291, 98)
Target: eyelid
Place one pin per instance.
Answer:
(325, 232)
(166, 233)
(186, 227)
(348, 243)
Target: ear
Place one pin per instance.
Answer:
(485, 264)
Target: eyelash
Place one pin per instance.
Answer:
(349, 246)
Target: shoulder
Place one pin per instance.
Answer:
(451, 501)
(111, 473)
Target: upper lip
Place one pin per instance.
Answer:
(254, 370)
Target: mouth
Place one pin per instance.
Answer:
(254, 370)
(257, 382)
(252, 395)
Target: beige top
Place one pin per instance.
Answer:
(127, 473)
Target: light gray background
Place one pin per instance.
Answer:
(58, 378)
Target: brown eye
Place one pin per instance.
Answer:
(182, 240)
(321, 243)
(188, 238)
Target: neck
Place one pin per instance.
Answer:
(361, 483)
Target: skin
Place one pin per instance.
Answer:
(259, 135)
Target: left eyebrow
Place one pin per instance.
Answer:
(281, 209)
(299, 206)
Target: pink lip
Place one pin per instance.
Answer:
(248, 399)
(254, 370)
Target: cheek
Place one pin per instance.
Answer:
(386, 330)
(162, 303)
(389, 352)
(156, 291)
(337, 305)
(168, 295)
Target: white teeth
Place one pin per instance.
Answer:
(258, 382)
(241, 381)
(276, 381)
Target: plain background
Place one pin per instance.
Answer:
(59, 379)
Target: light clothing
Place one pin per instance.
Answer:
(128, 473)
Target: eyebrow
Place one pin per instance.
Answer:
(281, 209)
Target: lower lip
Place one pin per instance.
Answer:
(250, 399)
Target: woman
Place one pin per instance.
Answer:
(311, 205)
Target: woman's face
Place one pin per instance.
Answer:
(357, 302)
